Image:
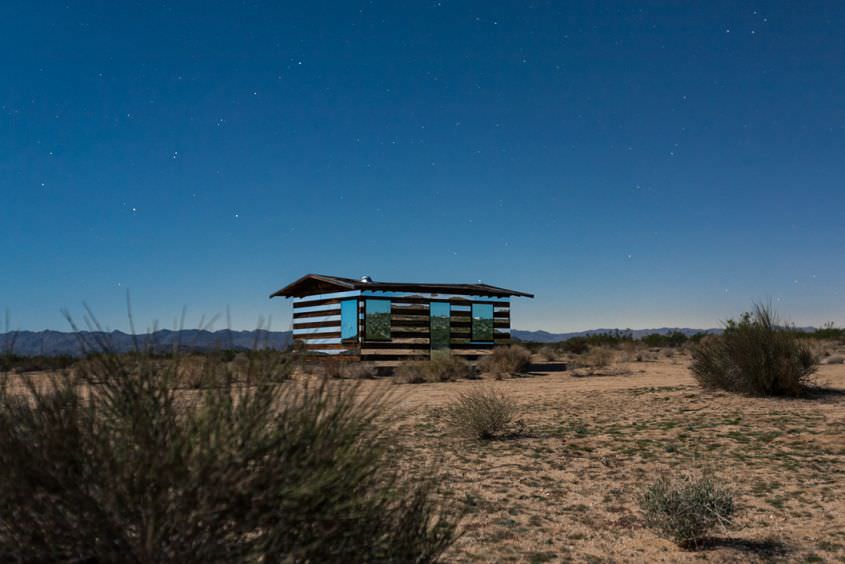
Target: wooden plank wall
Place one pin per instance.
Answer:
(316, 325)
(316, 328)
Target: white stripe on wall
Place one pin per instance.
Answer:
(332, 295)
(323, 307)
(315, 330)
(317, 319)
(310, 341)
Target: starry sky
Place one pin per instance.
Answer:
(633, 164)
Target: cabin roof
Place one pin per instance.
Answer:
(312, 284)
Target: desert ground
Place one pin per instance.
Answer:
(565, 485)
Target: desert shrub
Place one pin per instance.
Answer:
(686, 510)
(673, 339)
(338, 369)
(441, 368)
(512, 359)
(548, 352)
(598, 357)
(10, 362)
(113, 463)
(481, 414)
(755, 355)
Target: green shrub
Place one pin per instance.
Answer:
(114, 463)
(755, 355)
(441, 368)
(688, 509)
(481, 414)
(673, 339)
(513, 359)
(10, 362)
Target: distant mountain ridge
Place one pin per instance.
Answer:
(56, 343)
(546, 337)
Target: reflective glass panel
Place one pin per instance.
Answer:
(377, 320)
(482, 322)
(440, 331)
(349, 319)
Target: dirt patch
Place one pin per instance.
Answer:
(565, 486)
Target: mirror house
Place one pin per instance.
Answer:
(386, 323)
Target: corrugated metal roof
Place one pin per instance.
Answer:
(311, 284)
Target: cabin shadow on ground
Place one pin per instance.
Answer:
(764, 548)
(537, 369)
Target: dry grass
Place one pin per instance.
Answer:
(570, 489)
(506, 361)
(340, 370)
(441, 368)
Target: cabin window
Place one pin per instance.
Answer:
(482, 322)
(440, 330)
(348, 319)
(377, 320)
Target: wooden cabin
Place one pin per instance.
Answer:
(387, 323)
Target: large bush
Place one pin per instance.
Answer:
(115, 463)
(688, 509)
(756, 355)
(504, 361)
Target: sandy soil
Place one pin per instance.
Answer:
(567, 489)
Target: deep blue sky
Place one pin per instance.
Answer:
(634, 164)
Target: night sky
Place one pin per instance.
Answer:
(633, 164)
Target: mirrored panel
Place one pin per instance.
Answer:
(349, 319)
(439, 313)
(482, 322)
(377, 320)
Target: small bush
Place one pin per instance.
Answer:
(513, 359)
(755, 355)
(441, 368)
(114, 463)
(688, 509)
(481, 414)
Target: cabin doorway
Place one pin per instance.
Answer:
(439, 329)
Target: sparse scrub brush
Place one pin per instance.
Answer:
(755, 355)
(688, 509)
(114, 463)
(597, 357)
(548, 353)
(481, 414)
(345, 370)
(505, 361)
(441, 368)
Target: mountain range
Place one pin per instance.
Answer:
(56, 343)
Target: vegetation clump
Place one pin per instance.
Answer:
(114, 462)
(441, 368)
(506, 361)
(345, 370)
(688, 509)
(756, 355)
(481, 414)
